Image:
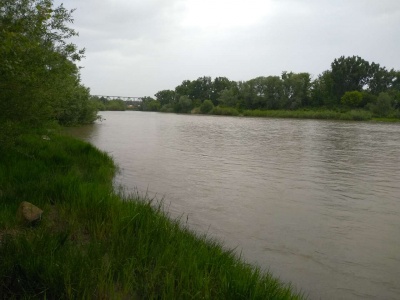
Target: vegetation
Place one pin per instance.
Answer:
(39, 80)
(206, 106)
(90, 242)
(355, 115)
(351, 89)
(103, 104)
(94, 243)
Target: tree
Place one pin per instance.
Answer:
(184, 89)
(381, 79)
(219, 85)
(184, 105)
(349, 74)
(322, 90)
(206, 106)
(273, 91)
(352, 99)
(261, 93)
(383, 105)
(296, 89)
(202, 89)
(38, 74)
(150, 104)
(229, 97)
(166, 97)
(76, 108)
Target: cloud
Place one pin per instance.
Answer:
(137, 48)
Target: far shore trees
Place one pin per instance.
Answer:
(350, 83)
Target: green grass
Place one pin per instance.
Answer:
(95, 243)
(386, 120)
(224, 111)
(356, 115)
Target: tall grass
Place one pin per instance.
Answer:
(356, 115)
(94, 243)
(224, 111)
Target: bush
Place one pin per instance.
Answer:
(167, 108)
(359, 115)
(383, 105)
(206, 107)
(352, 99)
(225, 111)
(117, 105)
(184, 105)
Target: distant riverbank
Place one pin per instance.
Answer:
(314, 114)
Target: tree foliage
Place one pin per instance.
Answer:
(150, 104)
(351, 82)
(349, 74)
(383, 105)
(39, 78)
(206, 107)
(352, 99)
(166, 97)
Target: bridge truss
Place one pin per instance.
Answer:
(135, 99)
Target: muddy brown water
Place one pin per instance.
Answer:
(317, 203)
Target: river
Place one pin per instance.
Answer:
(315, 202)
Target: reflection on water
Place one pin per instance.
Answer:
(315, 202)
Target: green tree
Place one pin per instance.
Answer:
(116, 105)
(381, 79)
(166, 97)
(273, 92)
(352, 99)
(383, 105)
(184, 89)
(202, 89)
(150, 104)
(322, 91)
(184, 105)
(76, 107)
(296, 90)
(219, 85)
(38, 75)
(98, 103)
(206, 106)
(247, 94)
(229, 97)
(349, 74)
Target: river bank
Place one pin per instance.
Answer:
(311, 114)
(94, 243)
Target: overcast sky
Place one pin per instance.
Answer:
(139, 47)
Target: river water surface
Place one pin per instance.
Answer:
(315, 202)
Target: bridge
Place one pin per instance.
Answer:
(135, 99)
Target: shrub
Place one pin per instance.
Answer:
(226, 111)
(184, 105)
(352, 99)
(383, 105)
(206, 107)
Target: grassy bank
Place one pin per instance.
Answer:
(356, 115)
(93, 243)
(322, 114)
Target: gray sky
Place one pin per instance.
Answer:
(139, 47)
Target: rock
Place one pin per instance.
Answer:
(29, 213)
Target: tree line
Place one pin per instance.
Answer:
(350, 83)
(39, 76)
